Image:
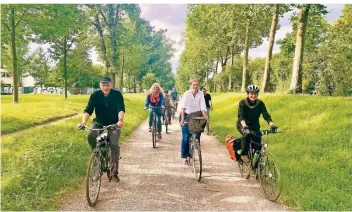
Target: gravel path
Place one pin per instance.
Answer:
(156, 179)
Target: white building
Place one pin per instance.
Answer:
(6, 79)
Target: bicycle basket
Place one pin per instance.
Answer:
(196, 125)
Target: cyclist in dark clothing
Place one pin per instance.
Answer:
(249, 111)
(109, 109)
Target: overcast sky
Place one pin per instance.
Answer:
(172, 17)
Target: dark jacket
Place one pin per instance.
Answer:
(106, 108)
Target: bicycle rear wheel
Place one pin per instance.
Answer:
(93, 179)
(196, 159)
(167, 125)
(269, 176)
(154, 136)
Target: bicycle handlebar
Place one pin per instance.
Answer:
(111, 126)
(152, 107)
(263, 132)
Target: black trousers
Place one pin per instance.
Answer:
(245, 142)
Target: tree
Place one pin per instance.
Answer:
(149, 79)
(296, 80)
(15, 19)
(39, 67)
(267, 70)
(257, 25)
(61, 26)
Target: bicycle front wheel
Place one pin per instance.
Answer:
(196, 159)
(93, 179)
(167, 125)
(154, 137)
(269, 176)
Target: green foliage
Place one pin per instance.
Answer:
(149, 79)
(39, 66)
(313, 157)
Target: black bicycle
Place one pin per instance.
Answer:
(166, 118)
(99, 163)
(154, 126)
(263, 164)
(195, 126)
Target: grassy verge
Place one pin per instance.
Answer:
(39, 165)
(313, 151)
(37, 109)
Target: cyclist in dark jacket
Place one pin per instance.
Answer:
(249, 111)
(109, 108)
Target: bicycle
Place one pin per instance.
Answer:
(195, 125)
(174, 109)
(267, 171)
(166, 118)
(207, 127)
(154, 126)
(99, 163)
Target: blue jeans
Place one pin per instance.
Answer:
(186, 135)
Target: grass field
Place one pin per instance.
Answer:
(37, 109)
(39, 165)
(313, 151)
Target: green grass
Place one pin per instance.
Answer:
(37, 109)
(313, 151)
(40, 165)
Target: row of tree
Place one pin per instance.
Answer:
(131, 50)
(314, 58)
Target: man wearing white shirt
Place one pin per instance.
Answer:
(192, 102)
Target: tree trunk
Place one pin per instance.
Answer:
(134, 85)
(216, 67)
(102, 43)
(140, 86)
(14, 58)
(112, 27)
(65, 65)
(296, 80)
(245, 59)
(122, 67)
(267, 70)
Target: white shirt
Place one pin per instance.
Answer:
(191, 103)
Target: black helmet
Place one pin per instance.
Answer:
(252, 89)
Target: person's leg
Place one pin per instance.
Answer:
(208, 114)
(114, 136)
(185, 142)
(150, 118)
(158, 116)
(92, 135)
(244, 144)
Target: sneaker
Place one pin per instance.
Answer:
(159, 135)
(115, 178)
(150, 129)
